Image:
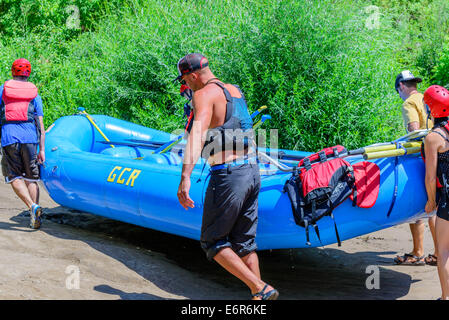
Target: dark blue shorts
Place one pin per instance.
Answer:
(230, 210)
(19, 161)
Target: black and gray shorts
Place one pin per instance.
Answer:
(230, 210)
(19, 161)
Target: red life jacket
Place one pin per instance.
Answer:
(16, 105)
(324, 181)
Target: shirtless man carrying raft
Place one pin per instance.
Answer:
(221, 133)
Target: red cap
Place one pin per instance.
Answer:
(21, 67)
(437, 98)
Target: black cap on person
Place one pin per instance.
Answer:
(190, 63)
(404, 76)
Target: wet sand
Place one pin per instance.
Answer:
(121, 261)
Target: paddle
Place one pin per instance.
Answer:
(92, 121)
(391, 153)
(399, 147)
(131, 144)
(258, 111)
(261, 121)
(167, 146)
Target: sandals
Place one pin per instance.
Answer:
(410, 260)
(431, 260)
(270, 295)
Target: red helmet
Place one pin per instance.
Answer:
(437, 98)
(21, 67)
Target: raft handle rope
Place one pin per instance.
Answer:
(395, 191)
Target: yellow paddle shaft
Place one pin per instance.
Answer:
(390, 153)
(171, 145)
(413, 144)
(96, 127)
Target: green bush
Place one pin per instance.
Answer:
(67, 18)
(442, 69)
(423, 27)
(326, 77)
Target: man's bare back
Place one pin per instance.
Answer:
(218, 102)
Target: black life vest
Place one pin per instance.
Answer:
(236, 132)
(17, 102)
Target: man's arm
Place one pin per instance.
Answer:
(412, 126)
(39, 112)
(203, 114)
(41, 155)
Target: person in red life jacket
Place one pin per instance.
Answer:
(436, 149)
(415, 118)
(22, 132)
(230, 209)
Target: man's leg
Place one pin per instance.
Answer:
(252, 262)
(33, 189)
(229, 260)
(20, 188)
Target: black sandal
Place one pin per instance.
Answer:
(270, 295)
(431, 260)
(410, 260)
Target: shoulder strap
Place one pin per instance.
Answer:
(225, 91)
(446, 127)
(229, 104)
(241, 92)
(442, 135)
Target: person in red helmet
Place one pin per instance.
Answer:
(436, 149)
(22, 132)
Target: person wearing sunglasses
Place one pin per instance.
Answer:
(415, 118)
(222, 134)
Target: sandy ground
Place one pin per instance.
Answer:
(120, 261)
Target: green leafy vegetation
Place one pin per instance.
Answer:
(325, 69)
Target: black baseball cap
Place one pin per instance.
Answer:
(405, 75)
(190, 63)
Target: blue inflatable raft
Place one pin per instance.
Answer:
(130, 183)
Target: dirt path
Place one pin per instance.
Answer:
(120, 261)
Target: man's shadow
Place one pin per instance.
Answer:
(311, 273)
(104, 288)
